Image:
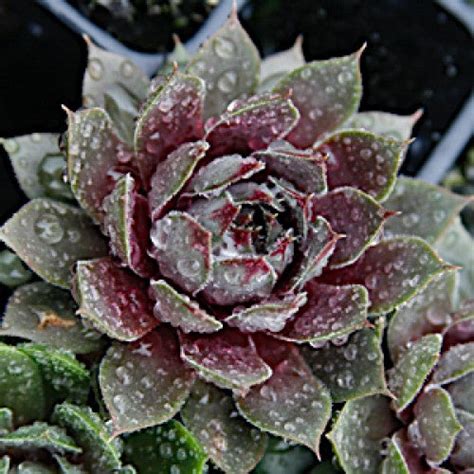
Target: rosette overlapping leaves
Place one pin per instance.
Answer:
(229, 236)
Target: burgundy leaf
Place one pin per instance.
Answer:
(254, 193)
(280, 252)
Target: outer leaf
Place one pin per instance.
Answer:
(455, 363)
(351, 370)
(393, 271)
(182, 248)
(426, 210)
(240, 280)
(26, 153)
(93, 152)
(67, 378)
(12, 271)
(104, 70)
(462, 393)
(463, 454)
(412, 369)
(363, 160)
(171, 116)
(353, 214)
(330, 312)
(395, 462)
(229, 64)
(40, 435)
(21, 386)
(180, 311)
(172, 174)
(50, 237)
(426, 313)
(252, 124)
(398, 127)
(326, 93)
(164, 449)
(357, 434)
(232, 444)
(228, 359)
(435, 424)
(292, 403)
(101, 453)
(45, 314)
(127, 225)
(144, 383)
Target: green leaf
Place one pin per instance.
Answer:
(12, 271)
(292, 403)
(144, 383)
(4, 465)
(165, 449)
(435, 425)
(21, 386)
(26, 154)
(101, 452)
(66, 467)
(106, 70)
(40, 435)
(358, 433)
(50, 237)
(426, 210)
(412, 369)
(457, 362)
(275, 66)
(425, 313)
(463, 454)
(45, 314)
(63, 375)
(6, 421)
(28, 467)
(51, 172)
(353, 368)
(394, 462)
(462, 393)
(179, 55)
(229, 64)
(397, 127)
(326, 93)
(233, 445)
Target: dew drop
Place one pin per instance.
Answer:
(227, 81)
(224, 48)
(95, 69)
(48, 229)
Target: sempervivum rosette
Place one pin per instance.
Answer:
(239, 228)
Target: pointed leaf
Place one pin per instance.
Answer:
(229, 64)
(326, 93)
(462, 393)
(232, 444)
(457, 362)
(251, 124)
(165, 449)
(221, 173)
(104, 70)
(127, 225)
(40, 435)
(275, 66)
(280, 253)
(180, 311)
(50, 237)
(463, 454)
(182, 248)
(21, 386)
(64, 377)
(12, 271)
(353, 214)
(94, 152)
(171, 116)
(398, 127)
(292, 403)
(172, 174)
(228, 359)
(412, 369)
(394, 463)
(114, 300)
(254, 193)
(305, 169)
(269, 315)
(144, 383)
(352, 369)
(240, 280)
(45, 314)
(179, 56)
(6, 421)
(392, 270)
(435, 424)
(363, 160)
(330, 312)
(101, 452)
(427, 312)
(359, 431)
(426, 209)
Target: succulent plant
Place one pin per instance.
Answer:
(231, 258)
